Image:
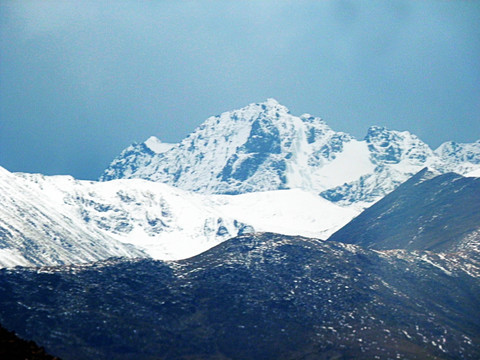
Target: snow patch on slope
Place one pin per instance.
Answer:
(12, 258)
(289, 212)
(352, 163)
(475, 173)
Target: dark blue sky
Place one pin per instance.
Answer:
(80, 81)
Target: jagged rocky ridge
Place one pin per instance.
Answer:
(55, 220)
(264, 147)
(259, 296)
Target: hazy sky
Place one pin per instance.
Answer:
(81, 80)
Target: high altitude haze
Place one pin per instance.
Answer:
(81, 81)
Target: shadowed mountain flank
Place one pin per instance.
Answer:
(427, 212)
(261, 296)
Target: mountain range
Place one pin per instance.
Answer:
(259, 168)
(263, 147)
(262, 235)
(55, 220)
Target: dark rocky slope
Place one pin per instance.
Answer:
(261, 296)
(427, 212)
(14, 348)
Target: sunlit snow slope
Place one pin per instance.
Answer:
(35, 230)
(57, 219)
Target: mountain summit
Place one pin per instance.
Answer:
(264, 147)
(257, 148)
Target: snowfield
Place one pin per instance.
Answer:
(49, 220)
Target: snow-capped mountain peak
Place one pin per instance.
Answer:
(268, 107)
(260, 147)
(263, 147)
(458, 153)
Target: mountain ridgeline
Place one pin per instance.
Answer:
(57, 220)
(168, 201)
(428, 212)
(260, 296)
(264, 147)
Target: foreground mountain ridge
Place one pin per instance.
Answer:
(257, 296)
(264, 147)
(14, 348)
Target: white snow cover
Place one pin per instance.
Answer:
(460, 152)
(289, 212)
(263, 147)
(475, 173)
(12, 258)
(51, 220)
(278, 163)
(35, 231)
(349, 165)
